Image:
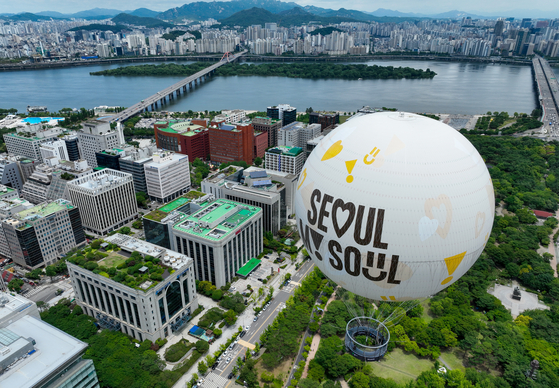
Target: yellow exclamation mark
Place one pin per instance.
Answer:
(349, 165)
(452, 263)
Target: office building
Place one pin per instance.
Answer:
(26, 166)
(10, 173)
(37, 185)
(324, 119)
(231, 116)
(9, 208)
(28, 141)
(284, 112)
(96, 136)
(167, 176)
(255, 188)
(297, 134)
(186, 137)
(285, 159)
(56, 149)
(66, 171)
(155, 308)
(229, 143)
(7, 193)
(41, 235)
(106, 200)
(311, 145)
(72, 146)
(260, 144)
(221, 237)
(269, 125)
(35, 354)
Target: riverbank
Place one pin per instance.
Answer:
(262, 58)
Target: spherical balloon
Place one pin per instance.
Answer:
(394, 206)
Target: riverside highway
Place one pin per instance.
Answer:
(549, 95)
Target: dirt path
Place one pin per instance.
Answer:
(551, 247)
(316, 341)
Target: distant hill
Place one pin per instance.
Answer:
(325, 31)
(124, 18)
(96, 12)
(144, 12)
(26, 16)
(101, 27)
(293, 17)
(202, 10)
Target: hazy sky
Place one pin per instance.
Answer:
(418, 6)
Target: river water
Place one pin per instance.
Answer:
(459, 87)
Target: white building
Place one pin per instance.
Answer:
(167, 176)
(155, 308)
(297, 134)
(28, 140)
(36, 354)
(96, 136)
(106, 200)
(285, 159)
(231, 116)
(55, 149)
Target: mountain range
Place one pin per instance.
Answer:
(202, 10)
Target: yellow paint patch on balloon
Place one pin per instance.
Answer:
(448, 279)
(392, 298)
(334, 150)
(384, 298)
(349, 165)
(304, 176)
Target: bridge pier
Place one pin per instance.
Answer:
(184, 88)
(152, 108)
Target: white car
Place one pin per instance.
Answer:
(228, 360)
(247, 328)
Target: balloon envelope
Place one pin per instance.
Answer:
(394, 206)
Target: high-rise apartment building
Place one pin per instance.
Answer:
(41, 235)
(285, 159)
(106, 200)
(269, 125)
(156, 307)
(96, 136)
(167, 176)
(229, 143)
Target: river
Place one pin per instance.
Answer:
(459, 87)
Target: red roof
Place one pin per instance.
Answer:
(542, 214)
(7, 276)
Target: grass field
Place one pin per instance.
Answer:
(400, 366)
(343, 119)
(454, 359)
(113, 260)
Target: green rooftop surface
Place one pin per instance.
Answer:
(99, 168)
(246, 269)
(8, 190)
(185, 128)
(44, 210)
(231, 224)
(168, 208)
(289, 151)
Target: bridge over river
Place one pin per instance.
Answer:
(170, 92)
(549, 95)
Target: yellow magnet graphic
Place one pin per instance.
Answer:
(350, 164)
(452, 263)
(370, 157)
(334, 150)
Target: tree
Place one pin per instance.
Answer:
(35, 274)
(15, 285)
(141, 199)
(138, 224)
(202, 367)
(230, 317)
(257, 161)
(202, 346)
(359, 380)
(125, 230)
(309, 383)
(50, 270)
(217, 294)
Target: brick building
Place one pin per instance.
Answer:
(260, 144)
(229, 143)
(267, 124)
(186, 137)
(324, 119)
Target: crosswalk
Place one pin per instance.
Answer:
(214, 381)
(36, 290)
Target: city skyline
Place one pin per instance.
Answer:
(514, 8)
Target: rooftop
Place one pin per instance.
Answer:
(217, 219)
(44, 210)
(52, 349)
(284, 150)
(163, 211)
(124, 259)
(246, 269)
(185, 128)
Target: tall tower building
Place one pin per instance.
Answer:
(106, 200)
(96, 136)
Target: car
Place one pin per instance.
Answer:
(228, 360)
(242, 334)
(232, 346)
(264, 308)
(247, 328)
(255, 319)
(230, 376)
(225, 353)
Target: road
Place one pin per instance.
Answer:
(549, 95)
(221, 373)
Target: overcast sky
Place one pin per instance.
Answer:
(417, 6)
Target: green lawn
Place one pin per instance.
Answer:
(343, 119)
(113, 260)
(400, 366)
(454, 359)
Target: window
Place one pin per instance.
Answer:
(174, 300)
